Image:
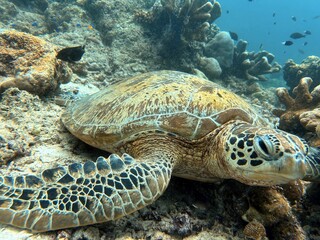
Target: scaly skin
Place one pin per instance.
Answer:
(83, 194)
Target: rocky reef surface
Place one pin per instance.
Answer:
(124, 38)
(309, 67)
(29, 63)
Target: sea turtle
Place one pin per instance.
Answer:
(156, 125)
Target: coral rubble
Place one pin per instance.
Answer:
(251, 65)
(309, 67)
(302, 113)
(29, 63)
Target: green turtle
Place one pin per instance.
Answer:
(155, 125)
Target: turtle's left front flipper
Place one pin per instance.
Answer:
(313, 165)
(83, 194)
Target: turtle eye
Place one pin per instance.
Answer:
(264, 146)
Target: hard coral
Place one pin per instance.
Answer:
(293, 72)
(251, 65)
(270, 207)
(255, 230)
(196, 16)
(29, 63)
(187, 20)
(302, 113)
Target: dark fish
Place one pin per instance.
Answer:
(316, 17)
(287, 43)
(71, 54)
(297, 35)
(305, 43)
(234, 36)
(250, 0)
(261, 46)
(227, 11)
(293, 18)
(273, 14)
(307, 32)
(274, 23)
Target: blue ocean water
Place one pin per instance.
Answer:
(268, 23)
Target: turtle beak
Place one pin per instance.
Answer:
(289, 169)
(295, 167)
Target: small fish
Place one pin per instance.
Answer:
(227, 11)
(293, 18)
(274, 23)
(307, 32)
(287, 43)
(273, 14)
(78, 25)
(305, 43)
(261, 47)
(35, 24)
(301, 51)
(250, 0)
(71, 54)
(234, 36)
(316, 17)
(90, 27)
(297, 35)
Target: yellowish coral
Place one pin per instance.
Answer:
(302, 112)
(269, 207)
(255, 230)
(29, 63)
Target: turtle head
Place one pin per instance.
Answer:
(265, 156)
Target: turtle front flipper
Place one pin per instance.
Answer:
(313, 165)
(82, 194)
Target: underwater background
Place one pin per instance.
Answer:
(56, 51)
(265, 24)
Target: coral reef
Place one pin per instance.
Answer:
(179, 29)
(210, 66)
(32, 139)
(29, 63)
(255, 230)
(182, 20)
(309, 67)
(37, 6)
(270, 208)
(302, 113)
(251, 65)
(221, 47)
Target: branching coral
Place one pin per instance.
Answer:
(251, 65)
(293, 72)
(302, 113)
(187, 20)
